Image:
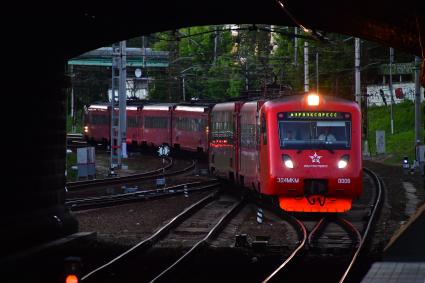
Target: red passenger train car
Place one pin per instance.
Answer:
(224, 143)
(157, 124)
(249, 165)
(190, 127)
(303, 150)
(134, 130)
(97, 119)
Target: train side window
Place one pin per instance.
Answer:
(264, 129)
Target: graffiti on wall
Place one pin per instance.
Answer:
(378, 95)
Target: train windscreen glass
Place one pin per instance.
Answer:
(314, 130)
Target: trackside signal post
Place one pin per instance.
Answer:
(418, 118)
(163, 152)
(118, 94)
(419, 147)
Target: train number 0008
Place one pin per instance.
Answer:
(344, 180)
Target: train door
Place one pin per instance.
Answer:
(236, 143)
(237, 135)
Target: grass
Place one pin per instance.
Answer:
(402, 142)
(78, 123)
(71, 160)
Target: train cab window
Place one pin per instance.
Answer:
(314, 130)
(99, 119)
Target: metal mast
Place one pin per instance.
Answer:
(306, 83)
(418, 138)
(295, 47)
(317, 71)
(357, 72)
(118, 96)
(391, 88)
(123, 100)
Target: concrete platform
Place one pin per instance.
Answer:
(396, 272)
(408, 243)
(404, 256)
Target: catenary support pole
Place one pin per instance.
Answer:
(123, 99)
(357, 70)
(317, 71)
(184, 88)
(295, 47)
(418, 118)
(391, 89)
(306, 87)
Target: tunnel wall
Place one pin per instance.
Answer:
(34, 152)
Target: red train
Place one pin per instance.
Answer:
(190, 127)
(97, 119)
(184, 126)
(303, 150)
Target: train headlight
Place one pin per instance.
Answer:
(343, 162)
(313, 99)
(86, 129)
(287, 161)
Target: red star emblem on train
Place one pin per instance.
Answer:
(315, 158)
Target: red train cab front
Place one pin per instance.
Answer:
(97, 123)
(312, 146)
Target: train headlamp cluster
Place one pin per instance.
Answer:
(287, 161)
(343, 162)
(86, 129)
(313, 99)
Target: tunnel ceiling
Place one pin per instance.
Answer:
(76, 26)
(85, 26)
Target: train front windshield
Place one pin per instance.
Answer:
(314, 130)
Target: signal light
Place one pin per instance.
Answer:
(71, 278)
(406, 162)
(86, 129)
(313, 99)
(72, 269)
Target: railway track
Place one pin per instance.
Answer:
(196, 224)
(103, 201)
(178, 245)
(82, 185)
(324, 238)
(372, 218)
